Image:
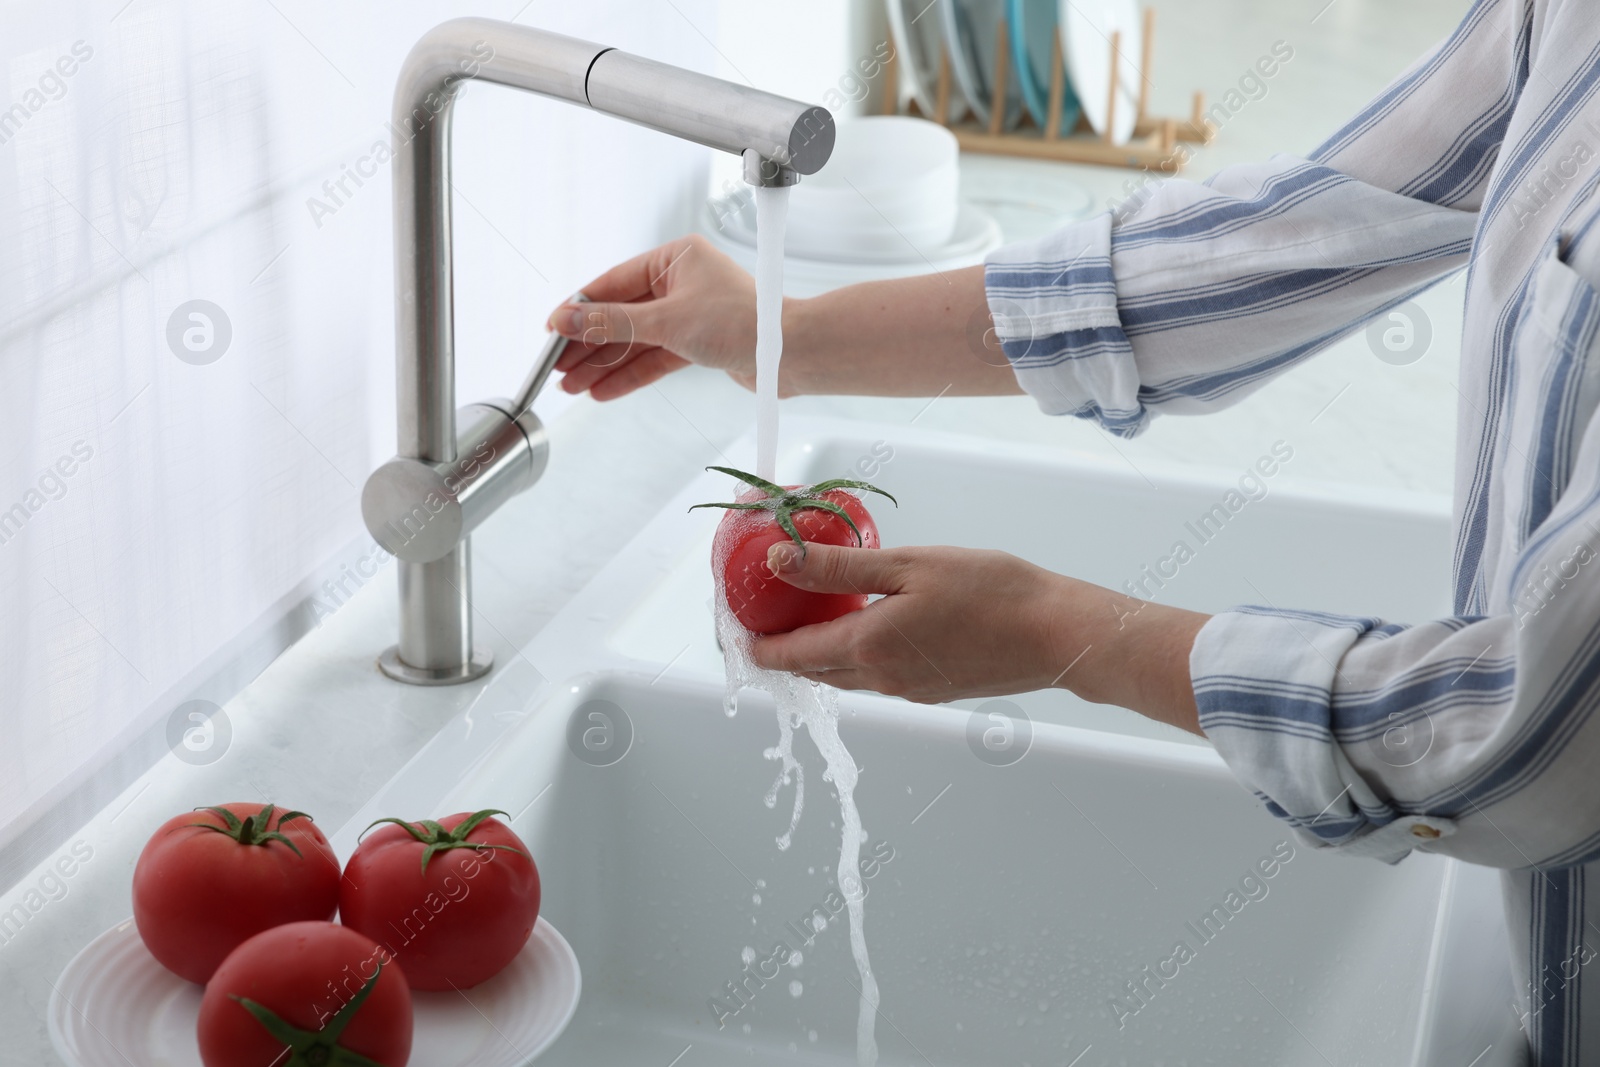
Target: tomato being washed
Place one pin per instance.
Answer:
(454, 901)
(766, 514)
(307, 994)
(210, 879)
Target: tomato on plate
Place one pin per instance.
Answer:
(325, 992)
(210, 879)
(454, 900)
(765, 514)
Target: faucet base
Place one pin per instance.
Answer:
(392, 665)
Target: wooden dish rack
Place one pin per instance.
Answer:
(1153, 146)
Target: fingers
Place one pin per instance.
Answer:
(634, 369)
(814, 651)
(596, 325)
(831, 569)
(634, 279)
(603, 319)
(581, 373)
(839, 679)
(646, 369)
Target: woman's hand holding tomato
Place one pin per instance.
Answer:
(952, 623)
(957, 622)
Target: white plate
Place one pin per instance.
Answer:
(1086, 28)
(115, 1006)
(971, 29)
(1029, 199)
(917, 37)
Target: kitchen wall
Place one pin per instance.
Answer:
(172, 485)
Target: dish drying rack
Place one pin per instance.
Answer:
(1154, 144)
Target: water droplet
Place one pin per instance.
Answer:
(755, 898)
(748, 955)
(811, 1036)
(795, 959)
(795, 989)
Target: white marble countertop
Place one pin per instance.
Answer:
(321, 729)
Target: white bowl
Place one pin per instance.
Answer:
(892, 187)
(733, 231)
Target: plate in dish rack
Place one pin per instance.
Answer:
(115, 1006)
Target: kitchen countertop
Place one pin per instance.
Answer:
(321, 730)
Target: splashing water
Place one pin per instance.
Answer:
(799, 702)
(816, 707)
(772, 215)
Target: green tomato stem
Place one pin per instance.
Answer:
(438, 839)
(783, 503)
(316, 1048)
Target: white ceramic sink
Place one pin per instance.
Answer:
(1014, 903)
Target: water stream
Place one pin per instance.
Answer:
(772, 216)
(799, 702)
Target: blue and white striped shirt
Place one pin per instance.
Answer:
(1485, 154)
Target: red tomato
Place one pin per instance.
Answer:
(762, 602)
(211, 879)
(315, 985)
(454, 901)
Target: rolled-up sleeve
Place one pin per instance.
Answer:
(1192, 295)
(1473, 736)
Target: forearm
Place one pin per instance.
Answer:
(1128, 652)
(921, 336)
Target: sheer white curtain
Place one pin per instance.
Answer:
(196, 365)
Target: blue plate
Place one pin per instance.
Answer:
(1035, 25)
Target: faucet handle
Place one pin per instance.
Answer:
(554, 345)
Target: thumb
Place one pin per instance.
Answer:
(834, 569)
(609, 324)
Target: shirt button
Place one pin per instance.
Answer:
(1419, 830)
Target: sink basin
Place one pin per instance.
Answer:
(1025, 911)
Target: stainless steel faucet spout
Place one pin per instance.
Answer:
(784, 138)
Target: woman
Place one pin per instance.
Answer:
(1486, 154)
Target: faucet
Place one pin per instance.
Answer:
(455, 468)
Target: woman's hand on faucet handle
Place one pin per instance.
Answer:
(684, 302)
